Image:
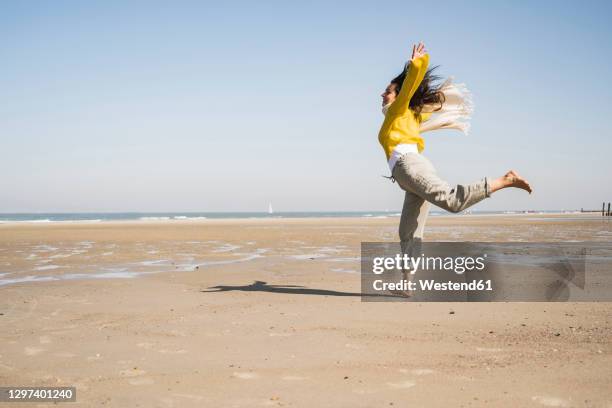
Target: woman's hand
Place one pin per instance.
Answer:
(418, 51)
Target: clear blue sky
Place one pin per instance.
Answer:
(203, 106)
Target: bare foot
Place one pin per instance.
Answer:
(401, 293)
(513, 179)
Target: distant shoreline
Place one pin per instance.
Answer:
(289, 217)
(43, 218)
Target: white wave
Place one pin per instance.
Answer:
(329, 249)
(154, 263)
(307, 256)
(347, 259)
(258, 254)
(343, 270)
(46, 267)
(44, 248)
(60, 256)
(154, 218)
(226, 248)
(120, 274)
(112, 274)
(30, 278)
(46, 220)
(77, 221)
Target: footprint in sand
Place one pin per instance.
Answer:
(417, 371)
(402, 384)
(189, 396)
(132, 372)
(149, 346)
(94, 358)
(65, 354)
(353, 346)
(32, 351)
(272, 402)
(550, 401)
(81, 386)
(145, 345)
(141, 381)
(361, 391)
(488, 350)
(294, 378)
(246, 376)
(422, 371)
(164, 351)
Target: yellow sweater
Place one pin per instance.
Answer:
(401, 124)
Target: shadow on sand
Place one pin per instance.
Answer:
(260, 286)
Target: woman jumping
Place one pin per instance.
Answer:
(413, 104)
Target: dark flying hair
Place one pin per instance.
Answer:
(427, 93)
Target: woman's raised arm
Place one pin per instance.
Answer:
(416, 72)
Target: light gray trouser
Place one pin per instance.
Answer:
(417, 176)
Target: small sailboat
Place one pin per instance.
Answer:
(270, 210)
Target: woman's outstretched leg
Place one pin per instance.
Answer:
(415, 173)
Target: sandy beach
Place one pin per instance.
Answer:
(267, 312)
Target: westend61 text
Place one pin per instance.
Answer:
(432, 285)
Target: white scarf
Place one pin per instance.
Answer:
(455, 113)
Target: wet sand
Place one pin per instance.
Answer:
(267, 312)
